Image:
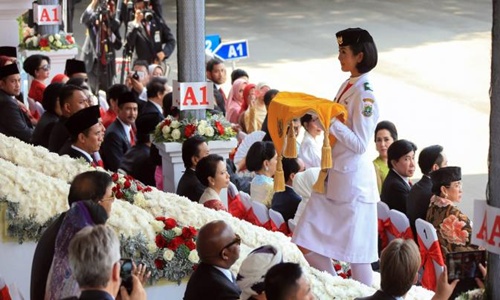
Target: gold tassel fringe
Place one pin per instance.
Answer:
(279, 176)
(291, 144)
(319, 186)
(326, 152)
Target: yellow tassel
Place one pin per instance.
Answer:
(291, 144)
(326, 152)
(319, 186)
(279, 176)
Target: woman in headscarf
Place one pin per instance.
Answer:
(235, 100)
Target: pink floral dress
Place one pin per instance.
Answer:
(453, 227)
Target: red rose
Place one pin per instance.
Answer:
(190, 244)
(175, 243)
(129, 177)
(44, 42)
(148, 189)
(119, 194)
(69, 39)
(189, 130)
(349, 273)
(343, 275)
(337, 267)
(160, 241)
(188, 232)
(127, 184)
(170, 223)
(115, 177)
(160, 219)
(219, 127)
(159, 264)
(167, 122)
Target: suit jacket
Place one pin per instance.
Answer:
(146, 45)
(219, 101)
(76, 154)
(418, 201)
(379, 295)
(42, 259)
(189, 186)
(149, 110)
(58, 136)
(395, 191)
(136, 162)
(41, 135)
(114, 146)
(286, 203)
(209, 283)
(92, 295)
(13, 122)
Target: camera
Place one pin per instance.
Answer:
(148, 14)
(126, 273)
(135, 75)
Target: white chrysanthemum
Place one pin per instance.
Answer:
(193, 257)
(201, 129)
(176, 134)
(157, 225)
(209, 131)
(168, 255)
(139, 200)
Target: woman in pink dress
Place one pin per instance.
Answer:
(212, 173)
(235, 100)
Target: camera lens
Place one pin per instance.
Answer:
(148, 15)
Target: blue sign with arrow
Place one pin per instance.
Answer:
(232, 50)
(211, 42)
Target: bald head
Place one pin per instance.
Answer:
(217, 244)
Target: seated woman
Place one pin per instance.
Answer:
(235, 100)
(212, 172)
(385, 134)
(453, 227)
(38, 66)
(60, 282)
(253, 110)
(262, 158)
(310, 148)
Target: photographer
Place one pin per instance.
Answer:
(94, 257)
(148, 35)
(103, 39)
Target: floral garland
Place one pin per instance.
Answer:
(137, 233)
(127, 188)
(30, 40)
(214, 127)
(476, 294)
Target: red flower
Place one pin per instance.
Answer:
(160, 219)
(159, 264)
(349, 273)
(148, 189)
(167, 122)
(69, 39)
(127, 184)
(160, 241)
(188, 232)
(343, 275)
(129, 177)
(44, 42)
(170, 223)
(190, 244)
(139, 187)
(175, 243)
(189, 130)
(219, 127)
(337, 267)
(119, 194)
(115, 177)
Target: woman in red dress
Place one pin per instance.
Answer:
(38, 66)
(212, 173)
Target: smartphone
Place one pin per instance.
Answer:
(465, 265)
(126, 273)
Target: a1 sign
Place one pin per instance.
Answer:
(193, 95)
(47, 14)
(232, 50)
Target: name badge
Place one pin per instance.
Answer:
(157, 37)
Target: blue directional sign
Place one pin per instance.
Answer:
(211, 42)
(232, 50)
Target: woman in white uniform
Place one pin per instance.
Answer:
(342, 224)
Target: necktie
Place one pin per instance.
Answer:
(223, 94)
(410, 183)
(148, 28)
(132, 137)
(97, 160)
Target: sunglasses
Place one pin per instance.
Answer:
(236, 240)
(44, 67)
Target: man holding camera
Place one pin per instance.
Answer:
(94, 258)
(103, 39)
(148, 35)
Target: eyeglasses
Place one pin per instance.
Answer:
(44, 67)
(111, 198)
(237, 240)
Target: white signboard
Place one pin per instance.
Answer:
(47, 14)
(486, 229)
(193, 95)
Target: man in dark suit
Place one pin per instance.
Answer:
(149, 35)
(396, 186)
(216, 73)
(85, 134)
(152, 109)
(193, 149)
(430, 159)
(120, 135)
(88, 185)
(136, 161)
(218, 248)
(399, 264)
(13, 122)
(286, 202)
(94, 258)
(102, 40)
(71, 99)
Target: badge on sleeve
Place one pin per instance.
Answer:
(367, 107)
(157, 37)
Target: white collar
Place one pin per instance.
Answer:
(157, 106)
(83, 152)
(127, 128)
(226, 272)
(405, 179)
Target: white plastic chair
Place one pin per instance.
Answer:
(402, 224)
(383, 216)
(261, 212)
(246, 200)
(276, 217)
(291, 225)
(428, 236)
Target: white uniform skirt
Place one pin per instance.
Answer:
(346, 231)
